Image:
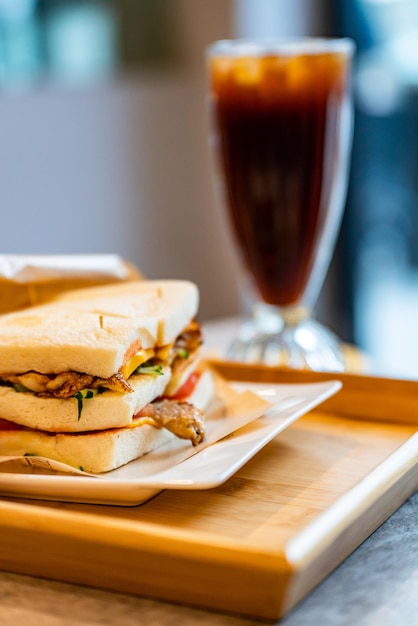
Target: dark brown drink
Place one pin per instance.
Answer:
(277, 124)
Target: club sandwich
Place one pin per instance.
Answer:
(104, 375)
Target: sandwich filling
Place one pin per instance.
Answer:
(67, 384)
(170, 411)
(182, 419)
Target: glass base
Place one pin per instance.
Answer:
(292, 340)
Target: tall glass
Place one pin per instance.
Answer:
(281, 126)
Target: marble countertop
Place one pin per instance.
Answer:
(377, 585)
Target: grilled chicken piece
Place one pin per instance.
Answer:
(34, 381)
(115, 383)
(191, 338)
(66, 384)
(180, 418)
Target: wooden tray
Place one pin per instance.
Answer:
(260, 542)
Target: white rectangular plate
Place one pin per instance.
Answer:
(167, 467)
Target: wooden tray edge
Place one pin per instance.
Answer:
(361, 397)
(349, 539)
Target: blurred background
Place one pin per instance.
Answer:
(104, 148)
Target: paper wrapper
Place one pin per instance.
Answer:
(27, 280)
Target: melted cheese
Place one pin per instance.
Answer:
(142, 356)
(143, 421)
(163, 352)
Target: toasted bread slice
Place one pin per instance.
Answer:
(173, 302)
(95, 330)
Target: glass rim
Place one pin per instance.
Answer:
(286, 46)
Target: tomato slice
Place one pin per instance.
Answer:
(6, 425)
(187, 387)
